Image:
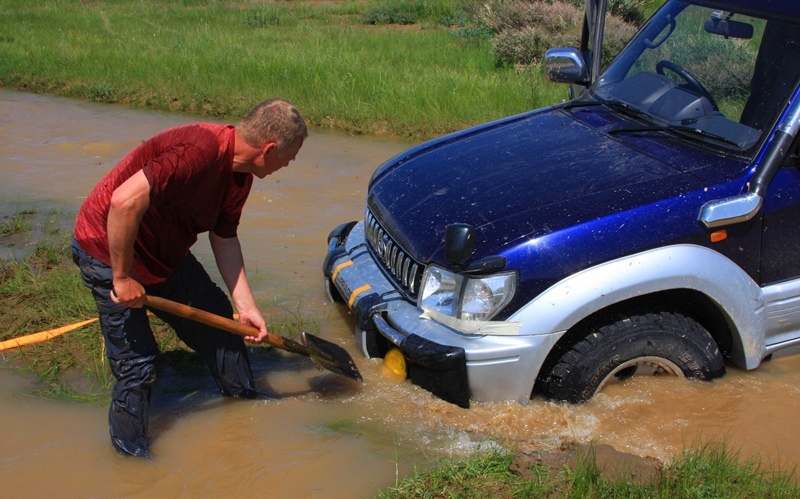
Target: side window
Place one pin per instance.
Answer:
(792, 159)
(776, 75)
(780, 240)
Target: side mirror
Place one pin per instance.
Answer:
(459, 243)
(566, 65)
(730, 210)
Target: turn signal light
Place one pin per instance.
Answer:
(719, 235)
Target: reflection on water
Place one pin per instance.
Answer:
(314, 434)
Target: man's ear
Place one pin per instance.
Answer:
(269, 148)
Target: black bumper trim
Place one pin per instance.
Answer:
(365, 307)
(440, 369)
(336, 248)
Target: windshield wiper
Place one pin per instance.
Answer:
(581, 103)
(628, 109)
(700, 134)
(614, 105)
(680, 132)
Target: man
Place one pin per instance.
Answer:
(132, 237)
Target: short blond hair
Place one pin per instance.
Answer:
(274, 120)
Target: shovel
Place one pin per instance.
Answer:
(324, 354)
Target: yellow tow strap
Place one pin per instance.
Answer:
(42, 336)
(50, 334)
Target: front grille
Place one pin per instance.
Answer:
(406, 271)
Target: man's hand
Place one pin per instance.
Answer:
(255, 319)
(128, 293)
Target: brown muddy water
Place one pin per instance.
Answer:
(319, 435)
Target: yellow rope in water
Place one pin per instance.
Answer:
(49, 334)
(41, 336)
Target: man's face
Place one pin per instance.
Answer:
(272, 160)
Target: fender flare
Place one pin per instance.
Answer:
(682, 266)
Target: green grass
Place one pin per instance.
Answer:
(711, 471)
(219, 59)
(290, 322)
(486, 476)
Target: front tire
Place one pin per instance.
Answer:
(651, 343)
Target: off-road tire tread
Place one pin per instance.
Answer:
(672, 335)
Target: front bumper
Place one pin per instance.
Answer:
(454, 366)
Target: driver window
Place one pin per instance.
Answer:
(792, 158)
(776, 73)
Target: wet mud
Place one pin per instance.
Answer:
(315, 434)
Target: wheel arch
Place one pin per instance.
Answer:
(687, 302)
(699, 281)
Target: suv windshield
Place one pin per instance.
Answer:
(718, 77)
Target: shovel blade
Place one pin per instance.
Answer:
(331, 356)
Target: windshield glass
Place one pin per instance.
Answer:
(721, 75)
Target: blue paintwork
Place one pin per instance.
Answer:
(552, 203)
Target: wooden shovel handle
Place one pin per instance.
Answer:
(220, 322)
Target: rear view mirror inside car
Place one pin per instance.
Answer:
(728, 28)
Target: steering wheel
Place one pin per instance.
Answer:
(691, 80)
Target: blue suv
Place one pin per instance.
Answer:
(649, 225)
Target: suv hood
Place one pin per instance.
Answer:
(509, 179)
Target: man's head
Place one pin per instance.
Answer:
(276, 121)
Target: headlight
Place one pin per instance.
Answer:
(464, 297)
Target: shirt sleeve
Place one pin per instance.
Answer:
(176, 161)
(231, 213)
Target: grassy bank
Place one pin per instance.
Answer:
(218, 59)
(711, 471)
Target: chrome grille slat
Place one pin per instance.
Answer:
(404, 271)
(413, 276)
(394, 259)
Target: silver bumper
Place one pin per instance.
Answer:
(497, 367)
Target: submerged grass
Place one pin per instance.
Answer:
(40, 292)
(40, 289)
(15, 224)
(219, 59)
(710, 471)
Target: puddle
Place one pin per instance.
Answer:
(318, 435)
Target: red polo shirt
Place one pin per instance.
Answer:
(192, 190)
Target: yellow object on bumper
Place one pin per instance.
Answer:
(395, 362)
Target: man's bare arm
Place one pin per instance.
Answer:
(128, 205)
(228, 254)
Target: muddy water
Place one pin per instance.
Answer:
(318, 435)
